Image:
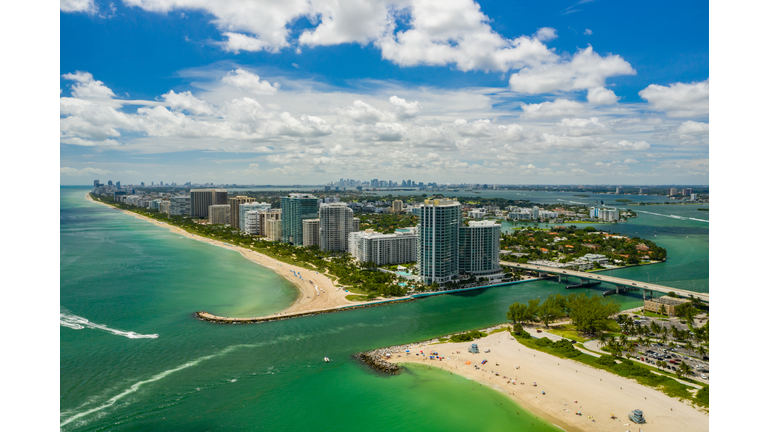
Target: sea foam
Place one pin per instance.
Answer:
(68, 319)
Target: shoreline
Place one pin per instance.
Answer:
(599, 393)
(327, 296)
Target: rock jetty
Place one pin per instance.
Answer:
(377, 360)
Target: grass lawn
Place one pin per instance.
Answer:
(357, 298)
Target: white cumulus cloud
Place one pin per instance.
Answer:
(187, 102)
(679, 99)
(601, 96)
(693, 128)
(585, 70)
(86, 6)
(558, 108)
(250, 82)
(86, 87)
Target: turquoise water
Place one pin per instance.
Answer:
(132, 276)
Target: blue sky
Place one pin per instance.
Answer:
(550, 92)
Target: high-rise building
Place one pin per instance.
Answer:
(397, 206)
(643, 190)
(619, 190)
(438, 241)
(269, 215)
(335, 225)
(219, 214)
(201, 199)
(296, 208)
(479, 249)
(609, 214)
(109, 182)
(383, 249)
(165, 207)
(181, 205)
(273, 229)
(251, 206)
(251, 222)
(310, 232)
(687, 191)
(355, 224)
(95, 183)
(671, 191)
(234, 209)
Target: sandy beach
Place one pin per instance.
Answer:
(570, 387)
(330, 296)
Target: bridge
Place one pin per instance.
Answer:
(594, 278)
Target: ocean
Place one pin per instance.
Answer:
(133, 357)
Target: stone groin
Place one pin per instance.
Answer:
(378, 361)
(206, 316)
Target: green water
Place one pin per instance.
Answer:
(129, 275)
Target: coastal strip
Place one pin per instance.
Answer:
(567, 393)
(331, 298)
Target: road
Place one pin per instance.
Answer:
(601, 277)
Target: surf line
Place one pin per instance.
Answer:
(68, 319)
(135, 387)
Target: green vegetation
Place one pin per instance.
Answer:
(589, 314)
(623, 200)
(469, 336)
(622, 367)
(704, 209)
(576, 242)
(387, 223)
(582, 195)
(340, 266)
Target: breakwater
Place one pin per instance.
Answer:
(377, 360)
(206, 316)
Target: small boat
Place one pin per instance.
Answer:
(326, 359)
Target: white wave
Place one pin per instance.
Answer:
(135, 387)
(67, 319)
(700, 220)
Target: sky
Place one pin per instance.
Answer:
(448, 91)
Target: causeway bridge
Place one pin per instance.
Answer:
(593, 278)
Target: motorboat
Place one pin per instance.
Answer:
(326, 359)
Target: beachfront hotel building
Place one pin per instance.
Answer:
(336, 222)
(479, 249)
(383, 249)
(234, 209)
(246, 207)
(269, 215)
(251, 223)
(438, 241)
(310, 232)
(273, 229)
(201, 199)
(297, 207)
(219, 214)
(180, 205)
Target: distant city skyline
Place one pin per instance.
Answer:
(490, 92)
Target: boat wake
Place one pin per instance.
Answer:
(68, 319)
(672, 216)
(135, 387)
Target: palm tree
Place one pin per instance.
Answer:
(660, 364)
(664, 339)
(601, 339)
(623, 339)
(701, 351)
(654, 327)
(689, 347)
(685, 369)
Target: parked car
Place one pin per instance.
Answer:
(703, 376)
